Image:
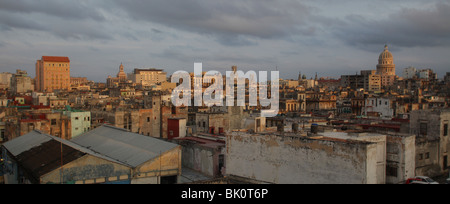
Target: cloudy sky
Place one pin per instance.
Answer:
(330, 37)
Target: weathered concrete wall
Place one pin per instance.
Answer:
(218, 121)
(400, 156)
(432, 144)
(379, 173)
(88, 169)
(171, 112)
(427, 158)
(235, 116)
(274, 159)
(202, 122)
(409, 157)
(168, 164)
(199, 159)
(145, 121)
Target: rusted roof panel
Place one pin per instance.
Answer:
(46, 157)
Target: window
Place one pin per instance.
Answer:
(174, 110)
(76, 118)
(423, 129)
(427, 155)
(148, 119)
(445, 129)
(53, 121)
(221, 162)
(445, 160)
(204, 124)
(168, 180)
(420, 156)
(391, 171)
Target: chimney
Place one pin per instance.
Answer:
(314, 128)
(295, 127)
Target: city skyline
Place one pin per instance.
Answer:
(224, 92)
(326, 37)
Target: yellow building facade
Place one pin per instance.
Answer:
(52, 73)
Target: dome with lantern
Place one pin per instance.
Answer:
(386, 57)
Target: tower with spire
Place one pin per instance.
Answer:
(122, 76)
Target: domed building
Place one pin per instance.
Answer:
(386, 64)
(386, 67)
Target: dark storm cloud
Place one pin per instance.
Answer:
(65, 19)
(405, 28)
(61, 8)
(231, 22)
(13, 20)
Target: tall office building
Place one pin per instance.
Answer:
(52, 73)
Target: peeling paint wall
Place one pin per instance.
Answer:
(432, 142)
(198, 159)
(400, 158)
(287, 160)
(90, 169)
(169, 164)
(85, 169)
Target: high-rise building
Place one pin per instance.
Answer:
(52, 73)
(447, 77)
(409, 73)
(148, 77)
(5, 80)
(21, 83)
(372, 81)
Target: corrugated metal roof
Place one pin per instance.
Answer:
(119, 144)
(35, 138)
(46, 157)
(39, 153)
(26, 142)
